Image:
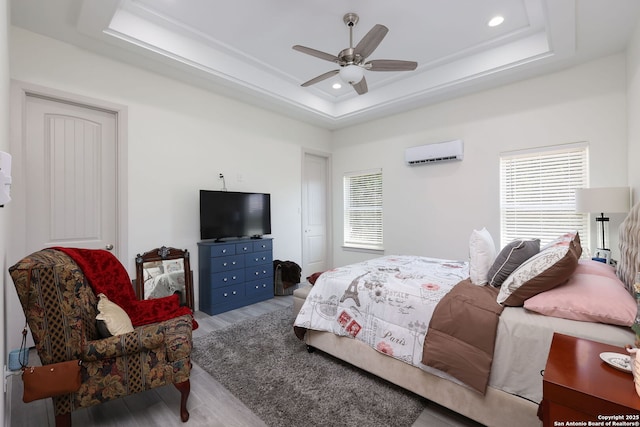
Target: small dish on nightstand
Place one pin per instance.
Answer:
(621, 362)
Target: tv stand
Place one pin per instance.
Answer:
(234, 273)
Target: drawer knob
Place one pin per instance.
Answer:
(225, 294)
(224, 251)
(225, 279)
(244, 249)
(234, 277)
(257, 272)
(234, 292)
(224, 264)
(257, 259)
(264, 285)
(234, 263)
(257, 287)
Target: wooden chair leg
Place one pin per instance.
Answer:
(63, 420)
(184, 388)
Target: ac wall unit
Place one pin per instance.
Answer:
(431, 153)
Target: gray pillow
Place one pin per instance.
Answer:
(510, 258)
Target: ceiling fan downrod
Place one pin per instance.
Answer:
(350, 20)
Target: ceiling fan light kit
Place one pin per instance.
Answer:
(352, 60)
(351, 74)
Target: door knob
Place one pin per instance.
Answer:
(109, 247)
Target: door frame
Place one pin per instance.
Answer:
(19, 92)
(329, 207)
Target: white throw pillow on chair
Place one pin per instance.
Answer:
(114, 317)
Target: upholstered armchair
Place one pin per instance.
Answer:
(61, 307)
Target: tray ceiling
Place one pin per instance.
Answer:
(243, 48)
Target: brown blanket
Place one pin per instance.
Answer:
(462, 334)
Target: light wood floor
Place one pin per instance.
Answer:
(210, 404)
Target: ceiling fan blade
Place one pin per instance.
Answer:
(390, 65)
(316, 53)
(361, 86)
(370, 42)
(320, 78)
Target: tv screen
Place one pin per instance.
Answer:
(225, 214)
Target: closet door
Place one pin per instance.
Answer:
(315, 214)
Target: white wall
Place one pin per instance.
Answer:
(633, 112)
(4, 146)
(186, 136)
(431, 209)
(179, 139)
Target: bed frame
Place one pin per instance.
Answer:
(496, 408)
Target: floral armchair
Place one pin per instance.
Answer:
(61, 307)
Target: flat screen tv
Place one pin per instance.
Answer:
(229, 214)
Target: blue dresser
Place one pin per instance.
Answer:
(234, 273)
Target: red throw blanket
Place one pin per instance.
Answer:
(106, 275)
(462, 333)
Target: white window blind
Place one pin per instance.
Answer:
(537, 193)
(363, 209)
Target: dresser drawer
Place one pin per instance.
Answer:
(227, 263)
(228, 294)
(257, 287)
(262, 245)
(221, 250)
(259, 272)
(257, 258)
(243, 248)
(227, 278)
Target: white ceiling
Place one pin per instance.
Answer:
(243, 48)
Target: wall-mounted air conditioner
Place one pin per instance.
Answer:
(431, 153)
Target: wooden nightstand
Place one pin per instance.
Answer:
(579, 386)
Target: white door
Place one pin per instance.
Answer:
(70, 163)
(315, 214)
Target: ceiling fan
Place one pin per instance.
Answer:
(353, 60)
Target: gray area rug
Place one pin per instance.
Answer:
(262, 363)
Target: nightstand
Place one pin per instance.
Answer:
(579, 386)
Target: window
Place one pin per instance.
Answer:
(537, 193)
(363, 209)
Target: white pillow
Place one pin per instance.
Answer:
(114, 317)
(482, 253)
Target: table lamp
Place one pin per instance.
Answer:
(604, 199)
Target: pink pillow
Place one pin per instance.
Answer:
(588, 298)
(588, 266)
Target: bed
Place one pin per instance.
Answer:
(376, 314)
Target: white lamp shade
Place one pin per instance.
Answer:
(351, 74)
(604, 200)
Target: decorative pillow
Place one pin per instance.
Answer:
(510, 257)
(482, 252)
(114, 317)
(587, 266)
(541, 272)
(588, 298)
(563, 240)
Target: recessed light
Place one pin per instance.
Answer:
(336, 86)
(495, 21)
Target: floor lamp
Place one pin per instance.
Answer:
(609, 200)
